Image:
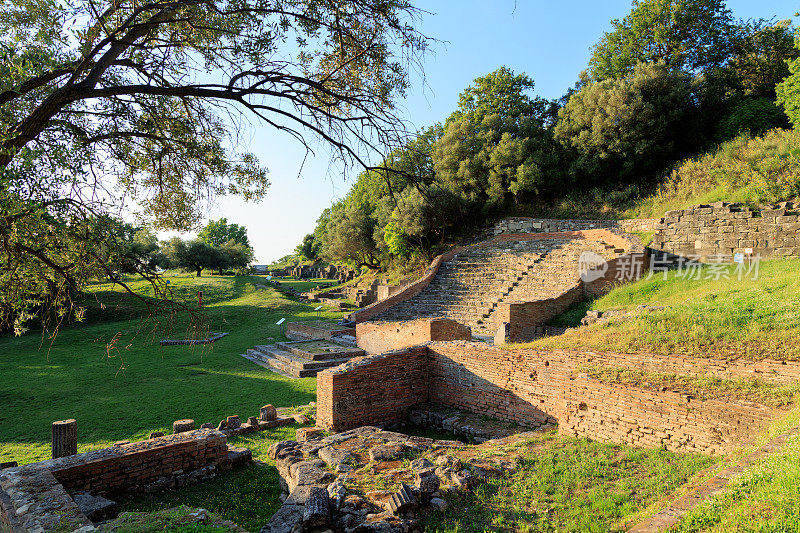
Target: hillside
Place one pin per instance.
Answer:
(753, 318)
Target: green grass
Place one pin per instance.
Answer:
(763, 499)
(248, 496)
(751, 318)
(114, 378)
(701, 386)
(176, 520)
(567, 484)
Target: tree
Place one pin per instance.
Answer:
(196, 255)
(234, 255)
(495, 145)
(625, 129)
(349, 236)
(788, 90)
(690, 35)
(309, 248)
(104, 102)
(218, 232)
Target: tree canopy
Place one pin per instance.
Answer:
(103, 104)
(218, 232)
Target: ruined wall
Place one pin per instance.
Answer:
(532, 387)
(132, 466)
(377, 337)
(719, 230)
(550, 225)
(372, 390)
(524, 317)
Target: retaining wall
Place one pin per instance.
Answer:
(532, 387)
(719, 230)
(550, 225)
(382, 337)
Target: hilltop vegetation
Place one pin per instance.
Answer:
(662, 118)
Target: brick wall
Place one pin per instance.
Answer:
(722, 229)
(131, 466)
(524, 317)
(377, 337)
(315, 330)
(530, 387)
(372, 390)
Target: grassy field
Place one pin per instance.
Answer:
(567, 484)
(113, 377)
(752, 318)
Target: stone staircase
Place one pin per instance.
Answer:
(470, 287)
(292, 361)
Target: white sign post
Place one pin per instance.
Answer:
(279, 323)
(317, 310)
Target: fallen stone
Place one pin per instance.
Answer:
(334, 457)
(288, 519)
(182, 426)
(207, 425)
(427, 482)
(402, 500)
(300, 418)
(306, 434)
(238, 456)
(233, 422)
(268, 412)
(462, 479)
(223, 425)
(438, 504)
(156, 434)
(449, 461)
(253, 421)
(337, 493)
(317, 510)
(95, 508)
(386, 452)
(421, 464)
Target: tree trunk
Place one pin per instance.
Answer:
(198, 272)
(65, 438)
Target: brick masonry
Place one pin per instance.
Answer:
(530, 387)
(377, 337)
(719, 230)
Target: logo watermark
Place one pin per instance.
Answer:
(592, 267)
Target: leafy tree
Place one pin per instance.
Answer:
(196, 255)
(627, 128)
(751, 115)
(691, 35)
(349, 233)
(309, 248)
(495, 145)
(106, 102)
(234, 256)
(218, 232)
(788, 90)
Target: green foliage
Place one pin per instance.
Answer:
(310, 248)
(691, 35)
(219, 232)
(753, 116)
(495, 146)
(756, 171)
(349, 235)
(628, 128)
(788, 91)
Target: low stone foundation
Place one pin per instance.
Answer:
(36, 497)
(377, 337)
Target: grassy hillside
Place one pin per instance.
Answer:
(748, 170)
(112, 375)
(754, 318)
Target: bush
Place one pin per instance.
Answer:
(751, 115)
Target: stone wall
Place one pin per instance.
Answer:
(532, 387)
(372, 390)
(375, 337)
(523, 318)
(550, 225)
(719, 230)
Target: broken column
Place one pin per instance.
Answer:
(65, 438)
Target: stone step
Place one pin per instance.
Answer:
(288, 363)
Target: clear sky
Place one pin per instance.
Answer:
(548, 40)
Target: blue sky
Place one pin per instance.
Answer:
(549, 41)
